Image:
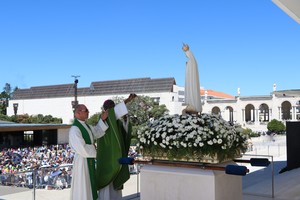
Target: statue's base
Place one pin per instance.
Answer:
(163, 182)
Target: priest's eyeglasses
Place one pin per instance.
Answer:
(87, 110)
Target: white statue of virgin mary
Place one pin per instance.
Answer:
(192, 83)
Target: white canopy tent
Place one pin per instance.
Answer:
(290, 7)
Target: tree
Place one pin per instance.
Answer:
(94, 119)
(140, 110)
(275, 126)
(5, 96)
(4, 117)
(2, 106)
(32, 119)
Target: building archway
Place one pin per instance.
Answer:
(229, 110)
(216, 110)
(286, 110)
(298, 110)
(264, 115)
(249, 113)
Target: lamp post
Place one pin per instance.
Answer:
(15, 105)
(75, 102)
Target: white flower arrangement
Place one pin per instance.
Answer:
(192, 137)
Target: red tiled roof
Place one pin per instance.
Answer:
(216, 94)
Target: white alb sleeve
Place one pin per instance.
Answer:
(120, 110)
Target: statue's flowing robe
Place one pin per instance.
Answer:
(192, 83)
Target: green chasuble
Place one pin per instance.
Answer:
(112, 146)
(90, 161)
(124, 174)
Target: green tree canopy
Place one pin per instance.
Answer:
(276, 126)
(93, 120)
(32, 119)
(5, 96)
(140, 110)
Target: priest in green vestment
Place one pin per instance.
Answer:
(81, 140)
(110, 174)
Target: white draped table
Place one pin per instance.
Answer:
(181, 183)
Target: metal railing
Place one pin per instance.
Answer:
(59, 178)
(45, 177)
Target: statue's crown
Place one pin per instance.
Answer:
(185, 47)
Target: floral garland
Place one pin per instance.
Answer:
(192, 137)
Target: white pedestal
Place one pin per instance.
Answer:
(177, 183)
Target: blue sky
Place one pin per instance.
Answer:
(246, 44)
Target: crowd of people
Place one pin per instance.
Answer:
(49, 166)
(52, 166)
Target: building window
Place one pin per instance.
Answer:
(156, 100)
(28, 137)
(180, 92)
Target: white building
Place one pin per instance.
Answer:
(250, 111)
(56, 100)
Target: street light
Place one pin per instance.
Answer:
(15, 105)
(75, 102)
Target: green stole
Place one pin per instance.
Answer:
(112, 146)
(90, 161)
